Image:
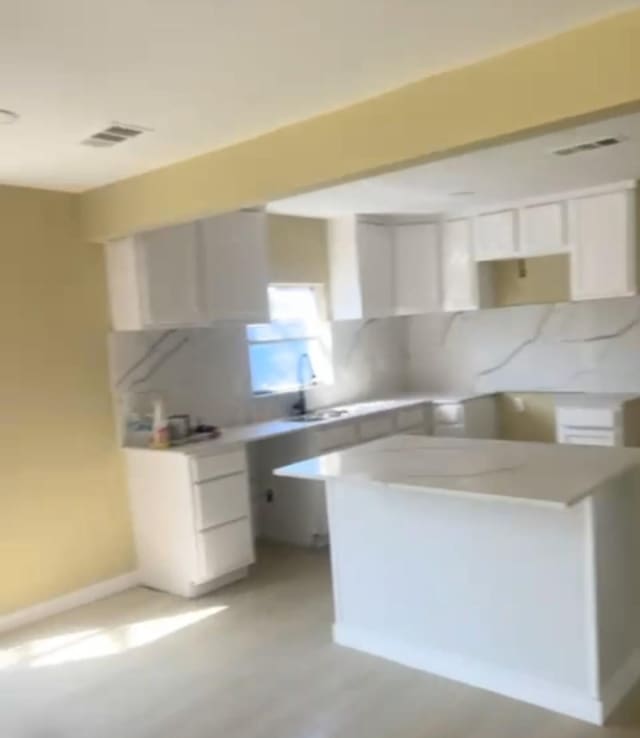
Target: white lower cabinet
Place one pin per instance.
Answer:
(224, 549)
(591, 425)
(474, 418)
(376, 427)
(294, 510)
(191, 518)
(219, 501)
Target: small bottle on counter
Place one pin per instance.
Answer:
(160, 427)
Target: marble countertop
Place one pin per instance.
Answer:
(281, 426)
(537, 473)
(610, 401)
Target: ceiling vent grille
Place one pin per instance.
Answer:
(114, 134)
(599, 143)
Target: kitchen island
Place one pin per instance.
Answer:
(510, 566)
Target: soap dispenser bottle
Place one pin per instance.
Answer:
(160, 427)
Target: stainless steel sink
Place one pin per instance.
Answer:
(315, 417)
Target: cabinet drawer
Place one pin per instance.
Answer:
(224, 549)
(585, 417)
(210, 467)
(448, 414)
(221, 500)
(337, 437)
(381, 425)
(587, 438)
(410, 417)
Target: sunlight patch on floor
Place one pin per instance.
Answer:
(100, 642)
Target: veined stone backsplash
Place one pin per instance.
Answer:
(589, 346)
(205, 371)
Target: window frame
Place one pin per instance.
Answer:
(320, 335)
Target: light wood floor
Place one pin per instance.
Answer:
(148, 664)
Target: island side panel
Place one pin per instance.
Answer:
(491, 593)
(616, 522)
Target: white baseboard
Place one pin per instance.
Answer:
(621, 683)
(65, 602)
(477, 674)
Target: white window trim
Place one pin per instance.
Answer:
(321, 301)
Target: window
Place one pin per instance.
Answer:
(297, 327)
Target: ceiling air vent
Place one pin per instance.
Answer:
(599, 143)
(114, 134)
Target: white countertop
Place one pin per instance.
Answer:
(281, 426)
(608, 401)
(550, 474)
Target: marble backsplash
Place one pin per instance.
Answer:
(205, 371)
(589, 346)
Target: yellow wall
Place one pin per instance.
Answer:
(546, 279)
(577, 75)
(63, 513)
(297, 249)
(536, 422)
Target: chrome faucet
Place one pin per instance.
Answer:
(300, 407)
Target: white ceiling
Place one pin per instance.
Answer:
(526, 168)
(206, 73)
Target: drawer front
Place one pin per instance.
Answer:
(586, 417)
(337, 437)
(221, 500)
(409, 418)
(587, 438)
(449, 413)
(224, 549)
(210, 467)
(382, 425)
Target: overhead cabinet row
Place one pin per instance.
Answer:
(217, 268)
(192, 274)
(596, 231)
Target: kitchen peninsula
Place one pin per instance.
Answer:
(508, 566)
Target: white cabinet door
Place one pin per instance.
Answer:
(375, 256)
(459, 271)
(224, 549)
(168, 276)
(543, 229)
(602, 234)
(417, 268)
(495, 236)
(124, 287)
(234, 267)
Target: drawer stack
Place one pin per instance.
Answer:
(224, 541)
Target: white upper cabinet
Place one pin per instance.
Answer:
(496, 235)
(459, 270)
(168, 262)
(190, 274)
(153, 279)
(234, 267)
(603, 245)
(380, 269)
(543, 229)
(375, 260)
(361, 269)
(417, 268)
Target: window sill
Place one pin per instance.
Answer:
(290, 390)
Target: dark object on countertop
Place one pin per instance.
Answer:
(203, 428)
(179, 427)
